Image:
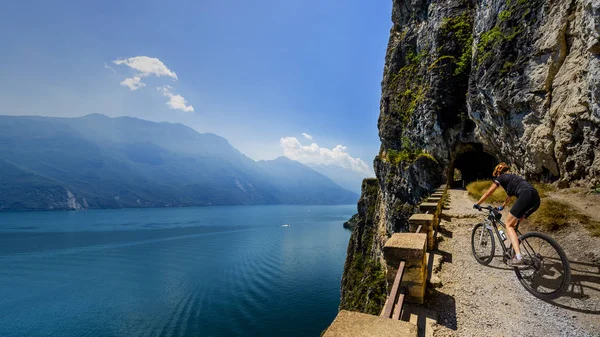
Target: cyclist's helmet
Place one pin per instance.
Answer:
(500, 168)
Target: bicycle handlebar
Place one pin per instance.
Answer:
(493, 210)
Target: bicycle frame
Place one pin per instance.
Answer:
(545, 280)
(492, 223)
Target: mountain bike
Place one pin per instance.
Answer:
(546, 273)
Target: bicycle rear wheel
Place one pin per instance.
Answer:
(548, 273)
(483, 244)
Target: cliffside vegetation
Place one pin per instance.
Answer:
(363, 282)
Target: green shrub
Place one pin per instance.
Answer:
(488, 41)
(407, 156)
(460, 29)
(504, 15)
(408, 83)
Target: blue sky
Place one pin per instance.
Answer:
(255, 72)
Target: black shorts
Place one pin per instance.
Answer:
(527, 203)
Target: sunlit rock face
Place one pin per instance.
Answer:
(519, 77)
(514, 80)
(533, 88)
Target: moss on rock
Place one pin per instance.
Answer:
(364, 282)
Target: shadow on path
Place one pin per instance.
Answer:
(583, 293)
(446, 306)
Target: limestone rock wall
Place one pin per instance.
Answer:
(533, 91)
(519, 77)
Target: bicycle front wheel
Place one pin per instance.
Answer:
(483, 244)
(548, 273)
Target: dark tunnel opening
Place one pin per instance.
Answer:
(471, 163)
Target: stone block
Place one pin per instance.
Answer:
(437, 195)
(424, 220)
(405, 246)
(427, 222)
(410, 248)
(434, 199)
(428, 207)
(356, 324)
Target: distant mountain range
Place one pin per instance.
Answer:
(346, 178)
(100, 162)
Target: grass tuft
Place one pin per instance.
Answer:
(477, 188)
(553, 215)
(594, 228)
(543, 189)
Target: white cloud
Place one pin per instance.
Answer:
(307, 136)
(109, 68)
(133, 83)
(176, 102)
(150, 66)
(146, 66)
(313, 154)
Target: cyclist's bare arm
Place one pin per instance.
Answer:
(487, 194)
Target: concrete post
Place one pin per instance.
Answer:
(356, 324)
(428, 207)
(426, 223)
(410, 248)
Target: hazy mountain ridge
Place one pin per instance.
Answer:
(346, 178)
(100, 162)
(307, 183)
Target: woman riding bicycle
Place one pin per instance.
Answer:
(528, 201)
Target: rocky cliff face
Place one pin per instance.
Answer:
(534, 88)
(363, 281)
(504, 80)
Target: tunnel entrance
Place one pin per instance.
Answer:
(471, 163)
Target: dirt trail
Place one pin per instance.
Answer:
(476, 300)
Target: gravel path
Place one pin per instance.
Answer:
(476, 300)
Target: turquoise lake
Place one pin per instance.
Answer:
(212, 271)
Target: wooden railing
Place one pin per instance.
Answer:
(407, 251)
(395, 301)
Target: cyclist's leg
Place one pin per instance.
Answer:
(524, 203)
(511, 222)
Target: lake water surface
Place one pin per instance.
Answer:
(213, 271)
